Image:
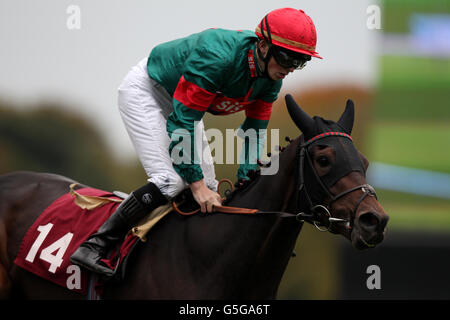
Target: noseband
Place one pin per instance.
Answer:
(319, 214)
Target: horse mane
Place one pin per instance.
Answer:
(238, 190)
(254, 176)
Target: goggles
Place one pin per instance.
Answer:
(288, 61)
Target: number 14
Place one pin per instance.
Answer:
(47, 254)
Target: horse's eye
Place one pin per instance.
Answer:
(323, 161)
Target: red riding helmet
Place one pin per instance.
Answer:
(291, 29)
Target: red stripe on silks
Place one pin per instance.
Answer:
(193, 96)
(260, 110)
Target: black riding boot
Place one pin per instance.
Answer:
(138, 204)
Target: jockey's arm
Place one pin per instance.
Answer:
(253, 131)
(181, 128)
(195, 91)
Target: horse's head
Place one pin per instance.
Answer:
(333, 192)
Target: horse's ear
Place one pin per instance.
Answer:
(347, 118)
(301, 119)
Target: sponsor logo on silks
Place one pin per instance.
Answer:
(228, 107)
(225, 105)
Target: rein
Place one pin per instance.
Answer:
(221, 209)
(319, 215)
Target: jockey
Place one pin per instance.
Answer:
(163, 99)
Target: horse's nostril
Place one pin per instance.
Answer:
(368, 220)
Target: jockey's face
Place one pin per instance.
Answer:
(275, 71)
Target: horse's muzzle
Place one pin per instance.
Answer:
(369, 230)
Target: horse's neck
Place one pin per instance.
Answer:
(271, 194)
(272, 259)
(223, 256)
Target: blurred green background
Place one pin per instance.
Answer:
(404, 121)
(411, 113)
(408, 125)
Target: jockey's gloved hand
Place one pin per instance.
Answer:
(246, 173)
(253, 174)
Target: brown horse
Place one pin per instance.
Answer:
(321, 180)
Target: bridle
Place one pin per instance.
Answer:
(319, 214)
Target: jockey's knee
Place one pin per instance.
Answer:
(170, 186)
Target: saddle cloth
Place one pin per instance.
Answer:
(61, 228)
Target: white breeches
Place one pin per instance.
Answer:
(145, 106)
